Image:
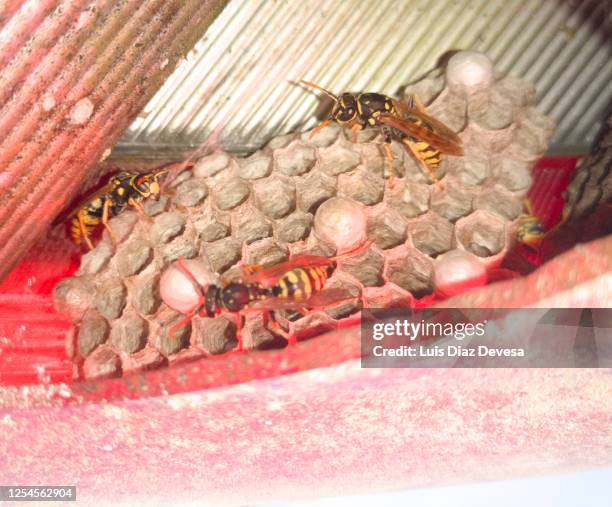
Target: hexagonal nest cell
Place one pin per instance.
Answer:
(264, 209)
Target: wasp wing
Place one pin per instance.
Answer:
(331, 296)
(319, 300)
(101, 192)
(441, 137)
(268, 276)
(415, 107)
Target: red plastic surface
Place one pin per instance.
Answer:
(32, 333)
(342, 430)
(551, 177)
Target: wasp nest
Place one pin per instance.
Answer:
(320, 195)
(591, 185)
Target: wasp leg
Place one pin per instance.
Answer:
(181, 323)
(390, 159)
(140, 208)
(319, 127)
(354, 131)
(269, 322)
(422, 162)
(180, 207)
(240, 346)
(84, 231)
(111, 234)
(172, 194)
(528, 206)
(275, 327)
(238, 319)
(196, 286)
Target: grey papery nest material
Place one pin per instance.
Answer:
(263, 208)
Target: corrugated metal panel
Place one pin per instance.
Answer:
(235, 86)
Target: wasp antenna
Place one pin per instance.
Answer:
(160, 172)
(317, 87)
(173, 167)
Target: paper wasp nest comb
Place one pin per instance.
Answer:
(298, 195)
(591, 185)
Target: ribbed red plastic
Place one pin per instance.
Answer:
(73, 75)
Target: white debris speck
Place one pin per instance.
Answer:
(164, 64)
(41, 374)
(5, 180)
(105, 155)
(275, 405)
(64, 391)
(112, 412)
(7, 420)
(187, 400)
(107, 448)
(85, 19)
(82, 111)
(48, 103)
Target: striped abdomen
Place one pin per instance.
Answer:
(301, 283)
(427, 154)
(90, 222)
(424, 151)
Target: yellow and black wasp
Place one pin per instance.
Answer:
(530, 231)
(123, 189)
(296, 284)
(423, 136)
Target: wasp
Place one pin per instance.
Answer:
(425, 138)
(123, 189)
(291, 285)
(530, 231)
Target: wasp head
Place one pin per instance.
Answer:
(345, 106)
(211, 300)
(147, 185)
(345, 109)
